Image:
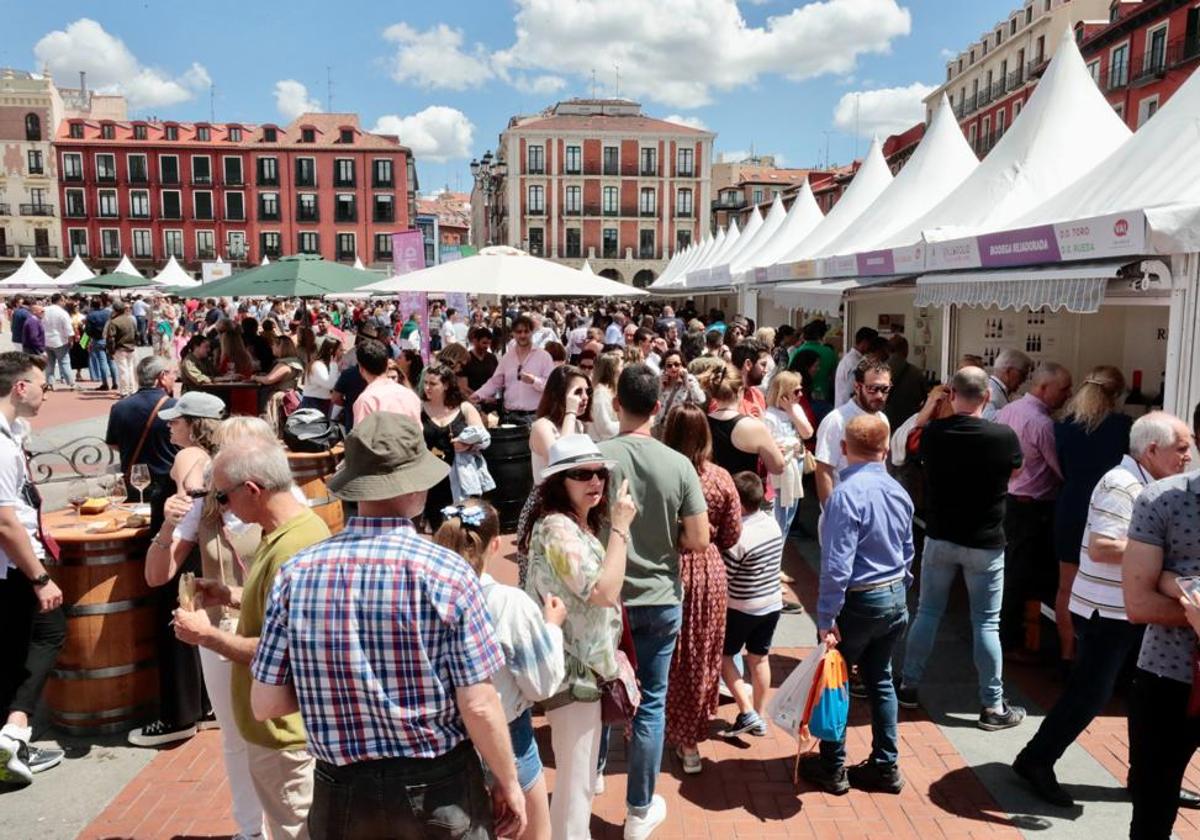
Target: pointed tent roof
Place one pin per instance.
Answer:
(76, 272)
(680, 263)
(29, 275)
(941, 162)
(772, 223)
(265, 261)
(1065, 129)
(174, 275)
(358, 263)
(803, 216)
(732, 234)
(125, 266)
(703, 277)
(586, 268)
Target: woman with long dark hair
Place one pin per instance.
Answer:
(321, 375)
(807, 363)
(445, 412)
(564, 409)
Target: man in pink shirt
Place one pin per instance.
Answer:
(381, 393)
(521, 376)
(1030, 567)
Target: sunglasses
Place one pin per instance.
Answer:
(222, 496)
(585, 474)
(882, 390)
(672, 365)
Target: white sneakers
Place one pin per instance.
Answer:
(640, 828)
(14, 769)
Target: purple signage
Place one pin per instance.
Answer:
(876, 263)
(1019, 247)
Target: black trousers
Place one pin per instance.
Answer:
(1030, 568)
(49, 632)
(1162, 739)
(18, 605)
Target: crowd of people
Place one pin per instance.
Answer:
(670, 455)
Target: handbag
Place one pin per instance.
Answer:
(620, 696)
(309, 430)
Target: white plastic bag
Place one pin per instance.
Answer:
(787, 705)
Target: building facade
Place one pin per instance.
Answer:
(596, 179)
(30, 108)
(199, 191)
(740, 186)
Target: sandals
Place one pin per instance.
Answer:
(691, 761)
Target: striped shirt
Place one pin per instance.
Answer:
(1097, 586)
(376, 628)
(752, 566)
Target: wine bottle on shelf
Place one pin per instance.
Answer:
(1160, 398)
(1136, 397)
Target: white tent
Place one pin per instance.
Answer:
(125, 266)
(358, 263)
(732, 235)
(710, 277)
(76, 272)
(504, 271)
(173, 274)
(774, 220)
(265, 261)
(678, 278)
(29, 276)
(673, 275)
(586, 268)
(800, 221)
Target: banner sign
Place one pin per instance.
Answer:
(408, 255)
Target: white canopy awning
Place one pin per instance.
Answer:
(76, 272)
(1076, 288)
(818, 297)
(174, 275)
(29, 275)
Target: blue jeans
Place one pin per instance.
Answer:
(655, 629)
(100, 364)
(983, 572)
(60, 360)
(871, 624)
(785, 515)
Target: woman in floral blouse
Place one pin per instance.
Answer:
(567, 560)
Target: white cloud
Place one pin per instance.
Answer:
(112, 68)
(691, 122)
(947, 53)
(435, 58)
(435, 134)
(884, 111)
(292, 99)
(538, 85)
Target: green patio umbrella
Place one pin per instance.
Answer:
(299, 275)
(114, 280)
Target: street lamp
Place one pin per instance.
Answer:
(488, 173)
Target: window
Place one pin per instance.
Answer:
(1012, 27)
(110, 243)
(346, 135)
(203, 132)
(647, 202)
(33, 127)
(384, 208)
(206, 247)
(535, 160)
(107, 204)
(235, 244)
(574, 243)
(106, 168)
(383, 246)
(609, 201)
(537, 242)
(75, 132)
(139, 132)
(268, 172)
(345, 247)
(308, 135)
(612, 160)
(1147, 108)
(143, 244)
(999, 123)
(108, 131)
(139, 204)
(75, 209)
(645, 244)
(171, 132)
(172, 207)
(649, 159)
(573, 202)
(72, 166)
(77, 242)
(201, 169)
(344, 208)
(306, 172)
(684, 166)
(574, 162)
(609, 244)
(343, 172)
(235, 207)
(382, 173)
(1041, 50)
(308, 243)
(537, 200)
(1016, 110)
(306, 208)
(683, 203)
(235, 134)
(683, 238)
(1094, 70)
(268, 243)
(233, 171)
(268, 206)
(757, 195)
(986, 131)
(972, 134)
(34, 158)
(1156, 50)
(168, 169)
(271, 135)
(1118, 66)
(202, 205)
(136, 168)
(173, 243)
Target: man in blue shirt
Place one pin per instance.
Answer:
(866, 557)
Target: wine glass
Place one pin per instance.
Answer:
(117, 494)
(139, 477)
(77, 495)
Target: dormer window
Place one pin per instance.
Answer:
(203, 132)
(270, 134)
(171, 132)
(346, 135)
(235, 134)
(139, 132)
(75, 131)
(308, 135)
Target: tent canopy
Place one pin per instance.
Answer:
(174, 276)
(113, 280)
(76, 272)
(1074, 288)
(298, 275)
(30, 275)
(126, 266)
(503, 271)
(800, 221)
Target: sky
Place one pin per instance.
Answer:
(778, 77)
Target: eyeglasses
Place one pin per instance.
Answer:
(674, 365)
(585, 474)
(882, 390)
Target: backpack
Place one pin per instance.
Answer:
(309, 430)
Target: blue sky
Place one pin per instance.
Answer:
(448, 76)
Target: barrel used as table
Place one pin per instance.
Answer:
(106, 676)
(509, 463)
(310, 469)
(241, 398)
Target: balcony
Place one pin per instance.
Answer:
(535, 211)
(37, 170)
(572, 170)
(648, 171)
(233, 180)
(106, 177)
(382, 255)
(611, 211)
(202, 181)
(307, 214)
(346, 256)
(985, 96)
(1118, 75)
(573, 211)
(683, 214)
(37, 209)
(235, 215)
(381, 184)
(343, 183)
(383, 215)
(345, 216)
(172, 216)
(685, 172)
(997, 90)
(204, 216)
(612, 169)
(307, 182)
(170, 179)
(1015, 79)
(139, 178)
(610, 253)
(729, 202)
(268, 180)
(647, 212)
(140, 215)
(536, 170)
(111, 255)
(49, 252)
(206, 253)
(6, 250)
(108, 214)
(1035, 67)
(268, 215)
(73, 177)
(237, 254)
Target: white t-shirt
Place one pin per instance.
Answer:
(13, 476)
(831, 433)
(843, 377)
(57, 324)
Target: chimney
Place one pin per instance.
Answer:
(82, 82)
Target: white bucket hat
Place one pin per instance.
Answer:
(571, 451)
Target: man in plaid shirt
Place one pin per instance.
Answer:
(382, 640)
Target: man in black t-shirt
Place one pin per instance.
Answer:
(968, 462)
(482, 362)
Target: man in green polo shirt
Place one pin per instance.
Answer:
(814, 340)
(252, 480)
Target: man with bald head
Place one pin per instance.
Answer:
(1030, 567)
(866, 555)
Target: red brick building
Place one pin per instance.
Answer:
(453, 212)
(197, 191)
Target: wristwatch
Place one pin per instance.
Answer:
(41, 580)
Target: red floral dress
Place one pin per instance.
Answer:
(696, 667)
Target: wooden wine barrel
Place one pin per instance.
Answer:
(310, 469)
(509, 463)
(106, 676)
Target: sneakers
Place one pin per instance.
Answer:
(813, 771)
(43, 758)
(745, 722)
(906, 696)
(992, 721)
(14, 761)
(639, 828)
(878, 778)
(1043, 781)
(158, 733)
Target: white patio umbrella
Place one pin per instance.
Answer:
(76, 272)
